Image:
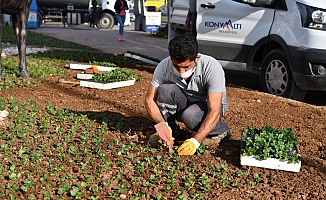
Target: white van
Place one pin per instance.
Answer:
(284, 41)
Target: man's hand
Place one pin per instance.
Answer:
(165, 133)
(189, 147)
(170, 130)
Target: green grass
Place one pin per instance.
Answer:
(39, 40)
(164, 19)
(49, 63)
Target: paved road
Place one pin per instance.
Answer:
(145, 43)
(107, 40)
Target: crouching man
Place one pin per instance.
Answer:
(189, 87)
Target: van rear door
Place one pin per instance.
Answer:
(227, 29)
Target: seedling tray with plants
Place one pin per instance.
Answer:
(270, 148)
(111, 79)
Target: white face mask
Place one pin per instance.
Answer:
(186, 74)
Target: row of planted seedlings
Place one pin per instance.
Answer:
(50, 153)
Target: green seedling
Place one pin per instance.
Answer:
(181, 196)
(203, 182)
(240, 174)
(258, 177)
(122, 188)
(235, 184)
(190, 180)
(223, 168)
(225, 181)
(12, 197)
(12, 187)
(197, 196)
(27, 184)
(76, 193)
(201, 149)
(249, 182)
(147, 184)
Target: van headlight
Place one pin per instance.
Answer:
(311, 17)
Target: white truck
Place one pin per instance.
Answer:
(99, 13)
(283, 41)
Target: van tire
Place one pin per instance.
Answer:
(105, 21)
(276, 77)
(39, 19)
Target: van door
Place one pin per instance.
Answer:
(227, 29)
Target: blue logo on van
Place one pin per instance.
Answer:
(224, 25)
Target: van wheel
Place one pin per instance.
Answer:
(105, 21)
(276, 77)
(39, 19)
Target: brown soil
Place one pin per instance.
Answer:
(246, 107)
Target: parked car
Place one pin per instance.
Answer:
(163, 9)
(283, 41)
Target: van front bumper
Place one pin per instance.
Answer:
(309, 68)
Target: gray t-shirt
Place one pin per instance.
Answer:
(208, 77)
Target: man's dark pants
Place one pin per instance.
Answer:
(174, 105)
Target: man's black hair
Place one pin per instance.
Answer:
(183, 47)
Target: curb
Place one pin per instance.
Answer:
(140, 58)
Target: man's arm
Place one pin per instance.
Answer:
(151, 106)
(214, 102)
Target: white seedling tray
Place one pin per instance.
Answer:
(84, 76)
(140, 58)
(269, 163)
(85, 66)
(106, 86)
